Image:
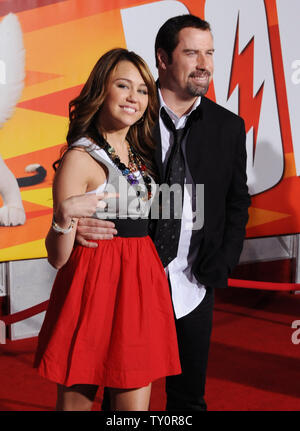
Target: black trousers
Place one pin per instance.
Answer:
(186, 391)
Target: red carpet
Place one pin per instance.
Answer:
(253, 364)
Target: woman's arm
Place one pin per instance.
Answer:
(70, 202)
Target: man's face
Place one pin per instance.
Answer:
(192, 65)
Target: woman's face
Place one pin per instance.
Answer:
(126, 99)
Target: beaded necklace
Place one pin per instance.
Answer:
(135, 164)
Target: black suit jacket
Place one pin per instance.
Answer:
(216, 156)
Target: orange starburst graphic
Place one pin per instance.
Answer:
(242, 70)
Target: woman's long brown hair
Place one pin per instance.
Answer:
(84, 109)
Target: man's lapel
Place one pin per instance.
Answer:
(157, 140)
(204, 152)
(197, 144)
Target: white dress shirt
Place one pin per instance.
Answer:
(187, 292)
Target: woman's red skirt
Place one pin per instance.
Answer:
(110, 319)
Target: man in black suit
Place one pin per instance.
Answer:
(213, 154)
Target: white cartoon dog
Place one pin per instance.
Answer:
(12, 73)
(12, 58)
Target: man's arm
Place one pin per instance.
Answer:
(237, 204)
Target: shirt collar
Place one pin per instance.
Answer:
(176, 120)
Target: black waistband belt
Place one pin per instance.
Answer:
(131, 227)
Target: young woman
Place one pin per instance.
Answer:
(110, 319)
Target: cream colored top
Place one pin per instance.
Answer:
(130, 203)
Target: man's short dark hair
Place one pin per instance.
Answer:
(167, 36)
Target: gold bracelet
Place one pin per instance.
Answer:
(59, 229)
